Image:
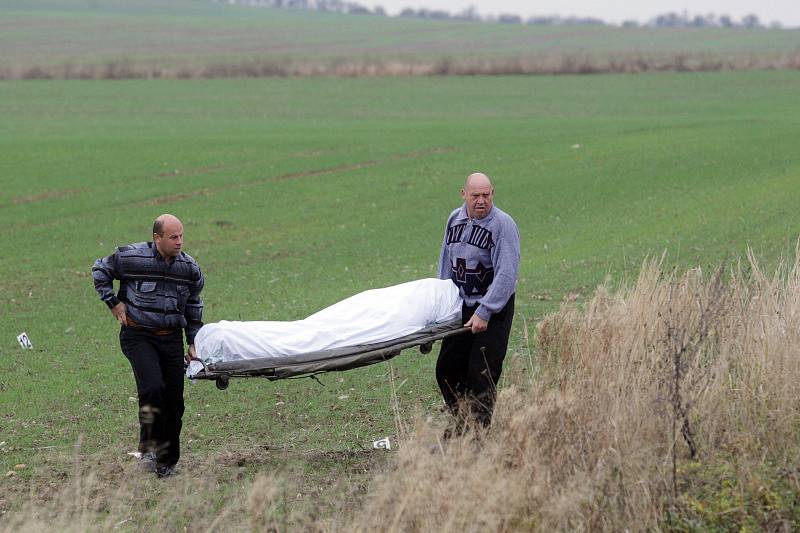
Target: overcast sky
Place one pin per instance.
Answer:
(785, 11)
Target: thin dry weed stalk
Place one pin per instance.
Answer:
(399, 424)
(261, 503)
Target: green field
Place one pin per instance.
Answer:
(296, 193)
(63, 38)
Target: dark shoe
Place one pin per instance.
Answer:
(147, 461)
(163, 471)
(459, 429)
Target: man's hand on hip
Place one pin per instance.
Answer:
(477, 324)
(120, 313)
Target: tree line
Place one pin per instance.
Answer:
(665, 20)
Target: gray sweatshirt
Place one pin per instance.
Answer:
(482, 258)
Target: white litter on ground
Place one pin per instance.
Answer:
(24, 341)
(382, 444)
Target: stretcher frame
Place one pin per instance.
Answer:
(334, 360)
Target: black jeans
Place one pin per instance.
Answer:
(157, 362)
(469, 366)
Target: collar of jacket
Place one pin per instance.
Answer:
(158, 257)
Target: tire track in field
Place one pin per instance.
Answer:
(208, 169)
(347, 167)
(47, 195)
(208, 191)
(63, 193)
(176, 173)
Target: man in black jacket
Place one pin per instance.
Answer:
(159, 295)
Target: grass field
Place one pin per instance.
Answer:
(196, 38)
(296, 193)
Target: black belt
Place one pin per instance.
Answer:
(161, 332)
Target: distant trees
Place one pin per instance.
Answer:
(470, 13)
(328, 6)
(750, 21)
(506, 18)
(422, 13)
(664, 20)
(683, 20)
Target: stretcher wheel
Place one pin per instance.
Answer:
(223, 381)
(426, 348)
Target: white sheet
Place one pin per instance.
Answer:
(372, 316)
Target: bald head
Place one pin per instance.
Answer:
(477, 179)
(168, 235)
(478, 195)
(158, 225)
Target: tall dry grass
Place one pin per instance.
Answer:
(632, 410)
(596, 439)
(118, 496)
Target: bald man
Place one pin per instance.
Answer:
(158, 297)
(480, 254)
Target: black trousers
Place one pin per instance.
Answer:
(157, 363)
(469, 366)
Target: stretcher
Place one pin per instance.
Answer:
(332, 360)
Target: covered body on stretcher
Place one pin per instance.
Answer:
(367, 328)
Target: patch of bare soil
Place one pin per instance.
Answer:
(47, 195)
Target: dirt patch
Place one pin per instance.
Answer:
(321, 171)
(190, 172)
(171, 198)
(47, 195)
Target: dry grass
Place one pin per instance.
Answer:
(589, 443)
(119, 497)
(621, 63)
(588, 438)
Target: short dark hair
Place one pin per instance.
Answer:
(158, 227)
